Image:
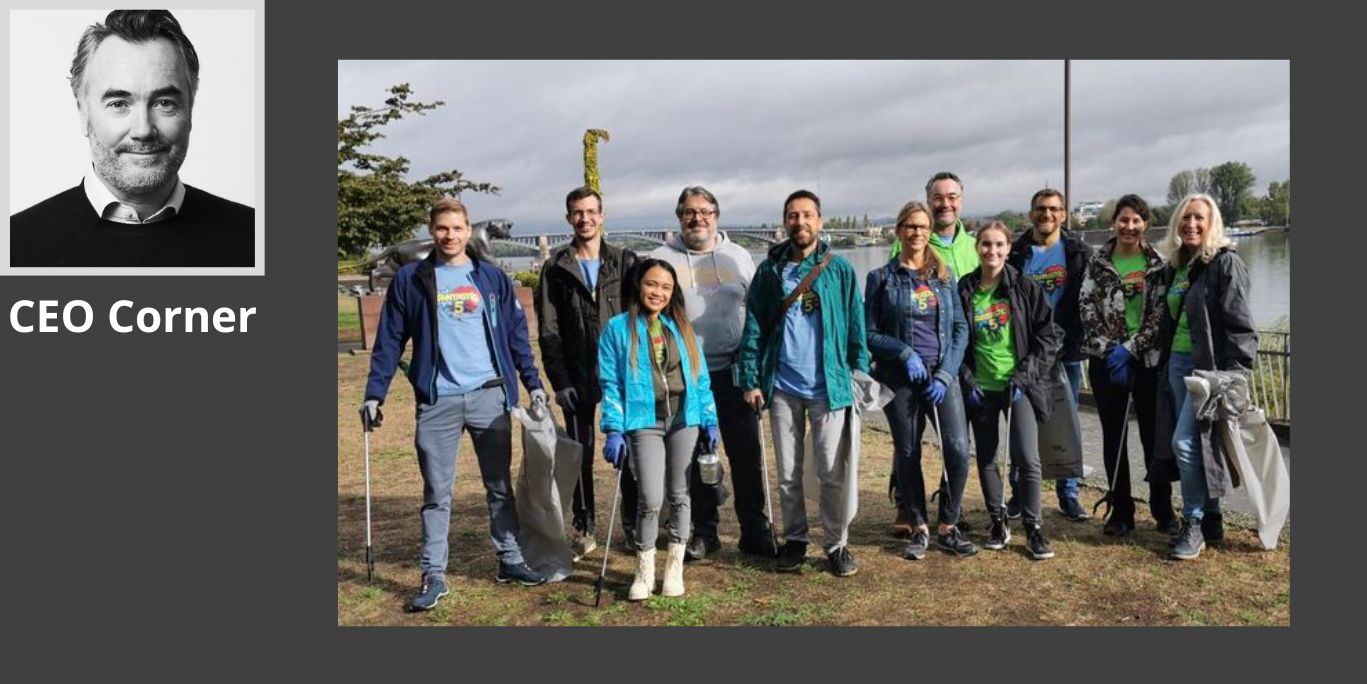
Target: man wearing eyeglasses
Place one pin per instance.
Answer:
(950, 240)
(714, 275)
(1057, 260)
(581, 287)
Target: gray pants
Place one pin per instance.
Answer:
(659, 459)
(484, 414)
(788, 417)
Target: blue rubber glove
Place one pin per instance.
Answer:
(615, 449)
(1118, 364)
(1016, 394)
(916, 370)
(975, 400)
(935, 392)
(711, 437)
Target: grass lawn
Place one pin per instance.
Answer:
(1093, 580)
(348, 319)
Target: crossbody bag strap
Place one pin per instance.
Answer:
(797, 292)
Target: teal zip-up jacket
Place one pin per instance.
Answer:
(629, 393)
(844, 346)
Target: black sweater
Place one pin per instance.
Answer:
(64, 230)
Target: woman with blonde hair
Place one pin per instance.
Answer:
(917, 334)
(657, 395)
(1207, 325)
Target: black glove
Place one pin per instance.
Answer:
(567, 399)
(371, 416)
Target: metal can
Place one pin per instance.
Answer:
(709, 468)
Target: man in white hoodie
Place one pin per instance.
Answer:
(714, 274)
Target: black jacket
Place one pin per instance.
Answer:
(570, 316)
(1218, 313)
(1036, 336)
(1076, 253)
(1222, 338)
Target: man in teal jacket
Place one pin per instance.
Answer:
(799, 361)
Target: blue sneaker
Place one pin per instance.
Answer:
(433, 588)
(520, 573)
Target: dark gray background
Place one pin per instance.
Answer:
(170, 499)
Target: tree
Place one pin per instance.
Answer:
(1276, 207)
(1014, 220)
(376, 204)
(1160, 215)
(1230, 183)
(591, 178)
(1187, 182)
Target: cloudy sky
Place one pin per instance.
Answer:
(864, 135)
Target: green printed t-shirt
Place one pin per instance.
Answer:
(1181, 340)
(994, 351)
(1131, 270)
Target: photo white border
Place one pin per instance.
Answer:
(57, 138)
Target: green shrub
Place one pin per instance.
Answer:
(527, 278)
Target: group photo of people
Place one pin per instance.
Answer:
(692, 350)
(722, 400)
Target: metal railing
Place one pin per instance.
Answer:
(1271, 376)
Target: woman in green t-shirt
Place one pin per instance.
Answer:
(1013, 345)
(1121, 307)
(1210, 325)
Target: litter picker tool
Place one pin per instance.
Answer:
(367, 427)
(607, 543)
(764, 473)
(1109, 498)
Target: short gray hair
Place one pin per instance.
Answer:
(134, 26)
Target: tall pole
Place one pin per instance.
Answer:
(1068, 143)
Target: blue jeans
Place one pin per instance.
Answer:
(440, 425)
(1186, 443)
(1067, 487)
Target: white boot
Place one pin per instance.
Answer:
(645, 576)
(673, 583)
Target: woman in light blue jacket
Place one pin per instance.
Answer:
(656, 396)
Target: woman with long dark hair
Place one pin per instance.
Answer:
(917, 334)
(1122, 302)
(1013, 347)
(657, 397)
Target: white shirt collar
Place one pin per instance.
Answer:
(111, 209)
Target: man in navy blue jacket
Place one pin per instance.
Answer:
(469, 336)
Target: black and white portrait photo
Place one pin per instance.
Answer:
(104, 106)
